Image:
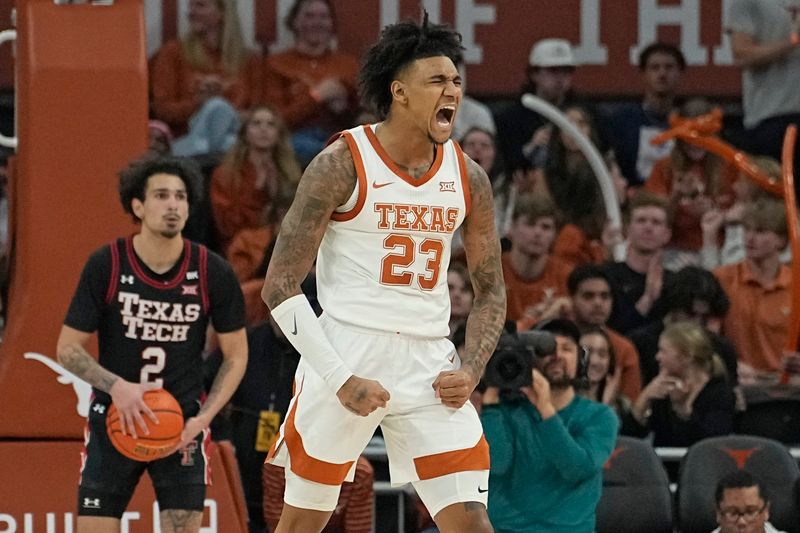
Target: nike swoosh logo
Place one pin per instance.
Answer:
(452, 358)
(481, 491)
(376, 185)
(294, 331)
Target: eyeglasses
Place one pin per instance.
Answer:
(749, 515)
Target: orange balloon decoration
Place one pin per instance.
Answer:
(701, 132)
(791, 219)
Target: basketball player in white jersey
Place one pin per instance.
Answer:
(378, 208)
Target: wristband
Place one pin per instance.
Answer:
(301, 326)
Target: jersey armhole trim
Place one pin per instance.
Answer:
(361, 182)
(462, 167)
(112, 282)
(203, 258)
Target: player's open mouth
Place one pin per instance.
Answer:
(444, 117)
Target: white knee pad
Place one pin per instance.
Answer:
(439, 492)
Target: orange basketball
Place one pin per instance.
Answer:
(162, 437)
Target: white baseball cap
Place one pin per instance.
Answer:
(552, 53)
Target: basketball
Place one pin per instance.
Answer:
(162, 437)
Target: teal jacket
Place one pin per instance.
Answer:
(547, 475)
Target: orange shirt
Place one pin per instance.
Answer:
(628, 357)
(522, 293)
(236, 208)
(289, 77)
(246, 251)
(173, 81)
(758, 321)
(572, 246)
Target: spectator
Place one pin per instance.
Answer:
(636, 282)
(764, 40)
(312, 85)
(258, 173)
(460, 289)
(353, 513)
(551, 65)
(694, 181)
(693, 294)
(471, 113)
(548, 447)
(603, 373)
(536, 282)
(743, 504)
(200, 81)
(590, 292)
(570, 181)
(633, 126)
(760, 293)
(690, 398)
(712, 222)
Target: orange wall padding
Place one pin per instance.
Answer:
(81, 75)
(40, 484)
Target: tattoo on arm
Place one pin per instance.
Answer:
(78, 361)
(326, 184)
(225, 382)
(482, 245)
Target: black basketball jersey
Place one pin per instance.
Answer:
(154, 329)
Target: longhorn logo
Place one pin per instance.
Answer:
(740, 456)
(82, 389)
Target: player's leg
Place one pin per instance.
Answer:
(180, 483)
(294, 519)
(108, 478)
(466, 516)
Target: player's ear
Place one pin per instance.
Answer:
(137, 207)
(398, 89)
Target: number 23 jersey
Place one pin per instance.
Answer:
(152, 327)
(383, 260)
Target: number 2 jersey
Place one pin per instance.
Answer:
(383, 260)
(152, 327)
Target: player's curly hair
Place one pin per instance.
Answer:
(133, 179)
(399, 45)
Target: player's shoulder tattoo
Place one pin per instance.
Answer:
(332, 173)
(479, 183)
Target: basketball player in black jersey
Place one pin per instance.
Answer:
(150, 297)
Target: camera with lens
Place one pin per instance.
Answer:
(511, 364)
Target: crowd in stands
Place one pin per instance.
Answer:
(678, 334)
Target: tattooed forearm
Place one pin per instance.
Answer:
(482, 245)
(180, 521)
(225, 382)
(326, 184)
(77, 360)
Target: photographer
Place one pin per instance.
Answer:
(547, 444)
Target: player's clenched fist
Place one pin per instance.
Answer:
(362, 396)
(454, 387)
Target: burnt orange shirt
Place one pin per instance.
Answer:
(573, 247)
(628, 356)
(522, 293)
(246, 251)
(289, 77)
(173, 81)
(236, 208)
(758, 321)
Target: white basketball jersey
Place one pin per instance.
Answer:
(382, 263)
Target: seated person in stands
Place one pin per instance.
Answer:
(258, 173)
(535, 280)
(690, 399)
(760, 292)
(603, 372)
(548, 445)
(742, 505)
(200, 82)
(636, 283)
